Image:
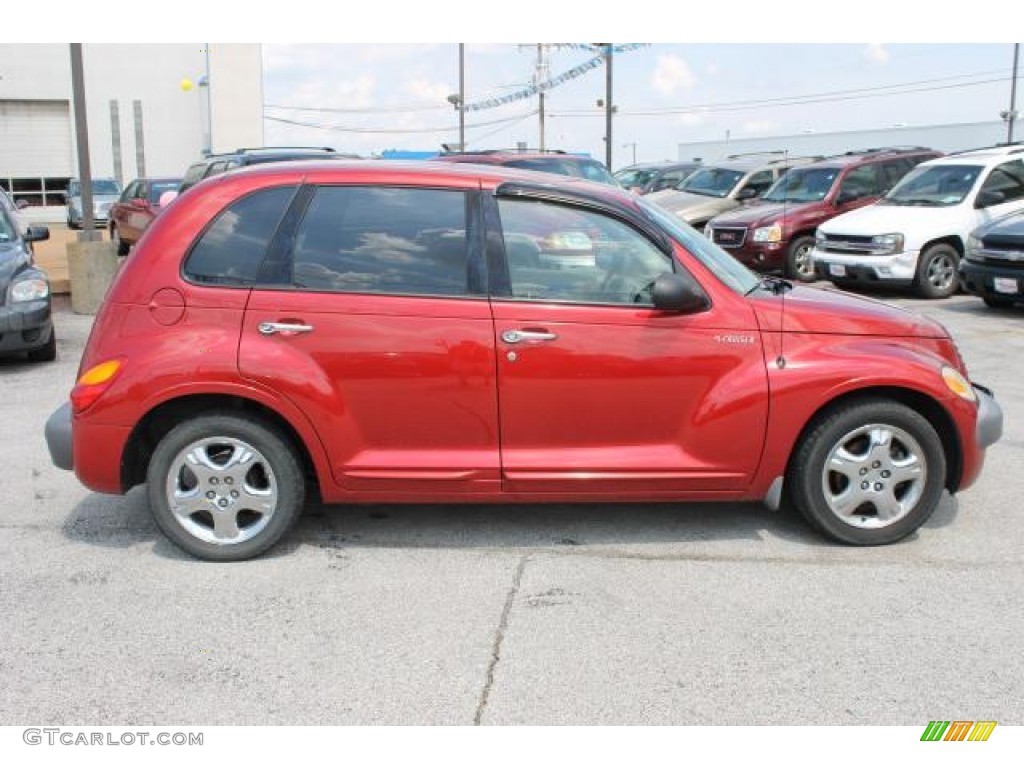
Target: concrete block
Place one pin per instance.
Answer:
(91, 269)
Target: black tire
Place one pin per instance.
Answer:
(876, 508)
(799, 265)
(218, 503)
(994, 303)
(122, 246)
(46, 353)
(936, 276)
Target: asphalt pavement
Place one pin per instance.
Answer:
(693, 614)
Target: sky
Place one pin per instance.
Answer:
(746, 68)
(366, 98)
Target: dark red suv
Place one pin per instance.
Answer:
(777, 232)
(434, 332)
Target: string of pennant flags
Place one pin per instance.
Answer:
(546, 85)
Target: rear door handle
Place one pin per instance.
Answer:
(517, 337)
(269, 329)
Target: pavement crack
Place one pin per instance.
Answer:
(499, 637)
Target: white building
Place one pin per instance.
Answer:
(945, 138)
(143, 118)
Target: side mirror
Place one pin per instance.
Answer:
(989, 197)
(747, 193)
(21, 204)
(36, 234)
(678, 292)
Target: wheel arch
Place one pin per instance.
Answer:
(160, 419)
(952, 240)
(923, 404)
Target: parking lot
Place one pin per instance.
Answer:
(564, 614)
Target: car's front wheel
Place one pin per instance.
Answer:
(936, 276)
(799, 264)
(225, 488)
(868, 472)
(121, 245)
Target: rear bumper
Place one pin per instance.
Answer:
(58, 438)
(990, 417)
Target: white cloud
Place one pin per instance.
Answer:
(672, 74)
(423, 90)
(691, 118)
(876, 53)
(713, 69)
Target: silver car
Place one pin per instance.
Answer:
(105, 192)
(720, 187)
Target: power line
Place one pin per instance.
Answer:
(791, 101)
(444, 129)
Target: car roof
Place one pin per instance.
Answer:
(393, 171)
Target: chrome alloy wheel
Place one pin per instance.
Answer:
(942, 272)
(874, 476)
(221, 490)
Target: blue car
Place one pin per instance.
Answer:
(26, 324)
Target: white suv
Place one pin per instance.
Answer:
(915, 235)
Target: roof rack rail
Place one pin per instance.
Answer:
(756, 154)
(1011, 148)
(510, 151)
(243, 150)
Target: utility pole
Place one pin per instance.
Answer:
(539, 77)
(1011, 115)
(462, 97)
(82, 144)
(608, 106)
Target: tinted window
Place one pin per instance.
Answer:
(802, 185)
(760, 181)
(1006, 179)
(597, 172)
(558, 253)
(860, 182)
(159, 187)
(384, 240)
(232, 247)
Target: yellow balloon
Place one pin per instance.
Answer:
(186, 84)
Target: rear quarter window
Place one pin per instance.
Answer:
(231, 249)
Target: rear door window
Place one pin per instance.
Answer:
(231, 249)
(387, 240)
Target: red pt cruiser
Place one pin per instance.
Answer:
(437, 333)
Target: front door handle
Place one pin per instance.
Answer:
(517, 337)
(269, 329)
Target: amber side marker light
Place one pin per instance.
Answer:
(93, 383)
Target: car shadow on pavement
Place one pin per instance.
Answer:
(123, 521)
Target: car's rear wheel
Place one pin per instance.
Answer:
(936, 276)
(799, 264)
(122, 246)
(225, 488)
(868, 472)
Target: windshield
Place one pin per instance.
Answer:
(713, 182)
(99, 187)
(637, 177)
(724, 266)
(934, 186)
(802, 185)
(8, 232)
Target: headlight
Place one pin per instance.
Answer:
(974, 245)
(30, 290)
(957, 384)
(772, 234)
(888, 244)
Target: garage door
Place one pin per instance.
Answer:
(35, 139)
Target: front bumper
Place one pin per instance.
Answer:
(895, 269)
(58, 438)
(25, 326)
(982, 279)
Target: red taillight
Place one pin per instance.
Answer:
(92, 384)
